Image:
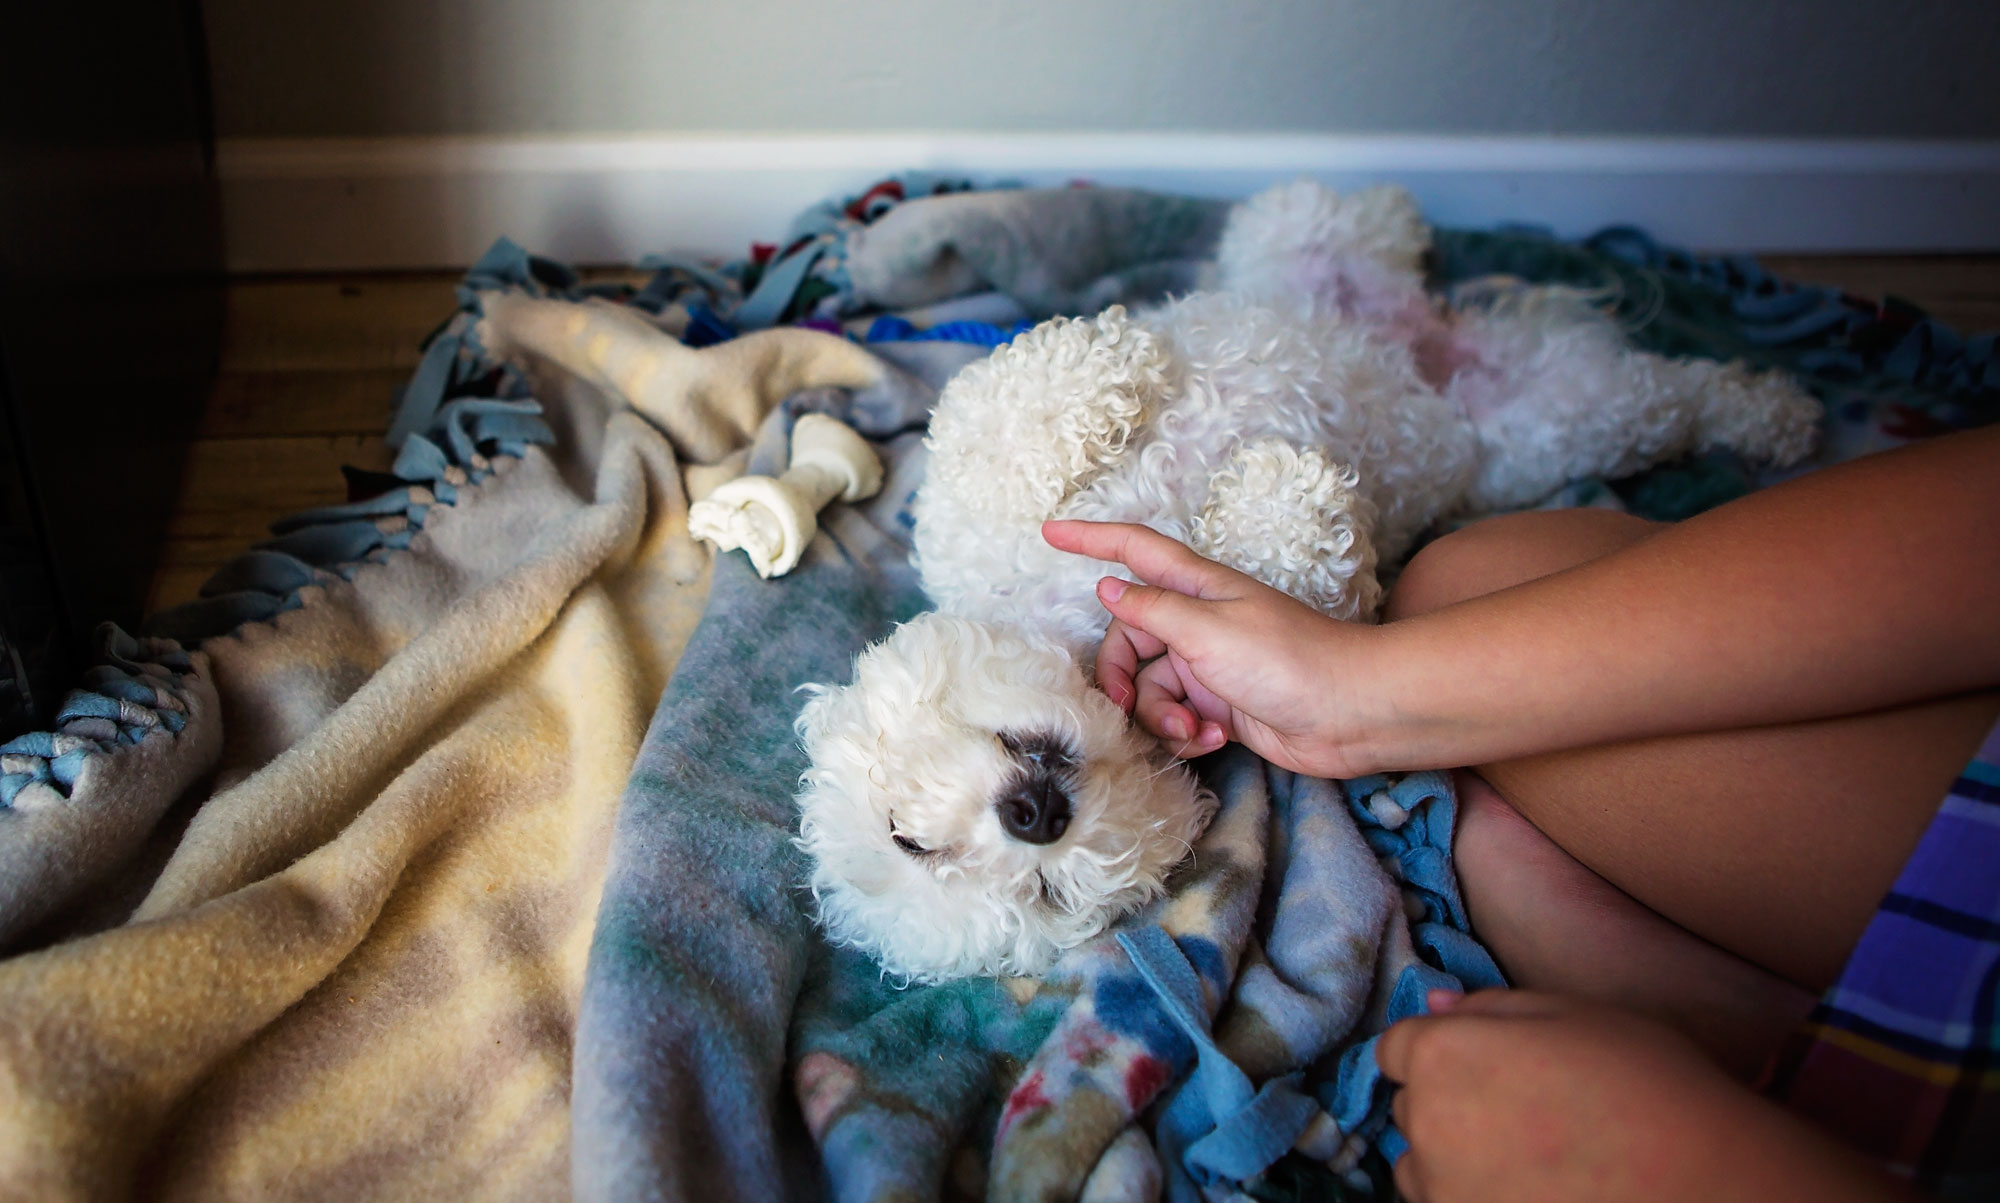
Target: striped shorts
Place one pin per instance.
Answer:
(1898, 1059)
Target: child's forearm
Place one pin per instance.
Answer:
(1867, 585)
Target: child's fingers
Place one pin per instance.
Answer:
(1152, 556)
(1167, 706)
(1214, 710)
(1511, 1003)
(1119, 656)
(1396, 1052)
(1409, 1181)
(1397, 1048)
(1160, 704)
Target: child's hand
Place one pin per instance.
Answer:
(1201, 654)
(1511, 1095)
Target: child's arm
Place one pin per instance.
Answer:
(1862, 586)
(1869, 584)
(1512, 1095)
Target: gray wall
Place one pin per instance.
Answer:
(1810, 68)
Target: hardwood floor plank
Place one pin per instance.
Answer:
(236, 487)
(267, 404)
(185, 564)
(176, 583)
(333, 323)
(344, 323)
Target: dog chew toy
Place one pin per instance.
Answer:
(772, 520)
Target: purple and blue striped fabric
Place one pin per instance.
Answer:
(1899, 1057)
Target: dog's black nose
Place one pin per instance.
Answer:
(1035, 812)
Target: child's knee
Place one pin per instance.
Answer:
(1501, 552)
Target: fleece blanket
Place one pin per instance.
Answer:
(454, 857)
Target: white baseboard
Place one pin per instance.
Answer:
(349, 204)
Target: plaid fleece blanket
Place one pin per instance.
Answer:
(443, 849)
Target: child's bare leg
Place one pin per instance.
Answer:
(1776, 843)
(1554, 925)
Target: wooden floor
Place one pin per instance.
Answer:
(310, 366)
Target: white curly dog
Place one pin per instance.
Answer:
(973, 805)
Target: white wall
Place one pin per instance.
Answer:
(411, 133)
(1788, 68)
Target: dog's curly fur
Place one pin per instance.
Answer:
(1304, 422)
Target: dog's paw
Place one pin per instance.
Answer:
(1296, 521)
(1307, 242)
(1763, 416)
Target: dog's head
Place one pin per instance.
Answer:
(974, 806)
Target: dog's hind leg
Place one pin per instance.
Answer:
(1556, 395)
(1296, 521)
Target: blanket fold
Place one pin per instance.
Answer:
(353, 885)
(358, 970)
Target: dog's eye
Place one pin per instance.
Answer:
(910, 846)
(1043, 751)
(1033, 749)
